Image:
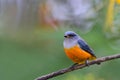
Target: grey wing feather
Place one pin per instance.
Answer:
(83, 45)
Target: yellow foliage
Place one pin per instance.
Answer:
(118, 1)
(109, 15)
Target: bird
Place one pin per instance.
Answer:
(77, 49)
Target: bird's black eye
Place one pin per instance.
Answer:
(71, 35)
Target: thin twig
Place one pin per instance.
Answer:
(76, 67)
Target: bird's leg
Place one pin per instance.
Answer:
(86, 63)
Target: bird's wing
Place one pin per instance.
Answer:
(83, 45)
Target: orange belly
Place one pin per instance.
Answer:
(78, 55)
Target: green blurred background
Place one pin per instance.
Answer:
(31, 38)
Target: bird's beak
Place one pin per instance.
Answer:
(66, 36)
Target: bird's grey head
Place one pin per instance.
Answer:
(71, 35)
(71, 39)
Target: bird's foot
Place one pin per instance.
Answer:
(86, 63)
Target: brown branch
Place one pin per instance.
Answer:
(62, 71)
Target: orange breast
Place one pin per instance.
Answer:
(77, 55)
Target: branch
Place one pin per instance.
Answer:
(76, 67)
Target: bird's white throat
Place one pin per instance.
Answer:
(69, 43)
